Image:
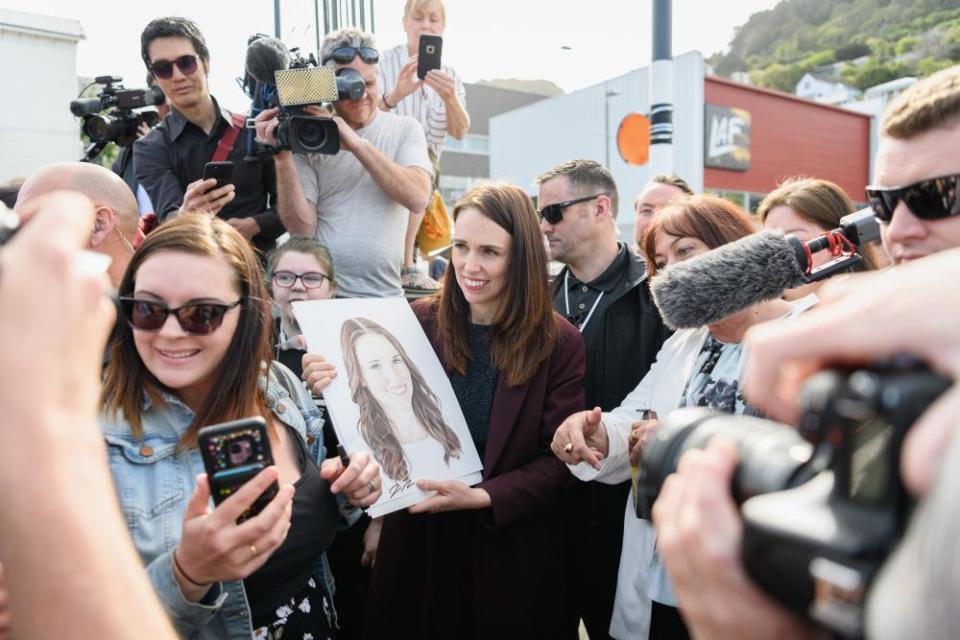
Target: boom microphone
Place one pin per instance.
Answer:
(760, 267)
(728, 279)
(265, 56)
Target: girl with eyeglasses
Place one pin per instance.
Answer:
(302, 269)
(487, 561)
(193, 349)
(299, 269)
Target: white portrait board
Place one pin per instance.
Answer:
(424, 384)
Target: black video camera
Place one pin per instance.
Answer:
(823, 504)
(128, 109)
(285, 78)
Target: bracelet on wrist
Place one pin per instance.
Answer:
(184, 573)
(385, 103)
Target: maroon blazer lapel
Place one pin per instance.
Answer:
(507, 403)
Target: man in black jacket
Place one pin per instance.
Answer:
(169, 160)
(602, 290)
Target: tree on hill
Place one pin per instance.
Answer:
(901, 37)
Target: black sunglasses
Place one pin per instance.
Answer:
(927, 200)
(164, 69)
(310, 279)
(345, 55)
(553, 213)
(198, 319)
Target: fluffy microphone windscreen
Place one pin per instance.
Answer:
(728, 279)
(264, 57)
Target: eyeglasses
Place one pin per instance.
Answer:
(553, 213)
(931, 199)
(198, 319)
(164, 69)
(345, 55)
(310, 279)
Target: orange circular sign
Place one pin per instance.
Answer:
(633, 139)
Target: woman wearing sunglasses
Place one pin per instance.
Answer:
(487, 561)
(195, 350)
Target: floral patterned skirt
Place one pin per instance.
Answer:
(307, 616)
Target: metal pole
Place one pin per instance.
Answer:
(335, 18)
(661, 90)
(326, 19)
(363, 19)
(373, 27)
(276, 18)
(316, 23)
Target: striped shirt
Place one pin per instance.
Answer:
(424, 105)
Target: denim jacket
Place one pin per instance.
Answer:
(154, 481)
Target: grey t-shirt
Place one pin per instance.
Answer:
(360, 224)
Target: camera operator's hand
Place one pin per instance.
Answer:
(407, 82)
(214, 548)
(318, 373)
(698, 533)
(349, 140)
(859, 320)
(143, 129)
(266, 124)
(640, 434)
(581, 438)
(202, 197)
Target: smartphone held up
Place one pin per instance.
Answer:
(233, 453)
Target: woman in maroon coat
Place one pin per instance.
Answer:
(488, 561)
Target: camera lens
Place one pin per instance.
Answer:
(772, 455)
(311, 135)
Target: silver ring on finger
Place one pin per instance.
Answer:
(372, 487)
(567, 448)
(253, 550)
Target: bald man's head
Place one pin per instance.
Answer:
(99, 184)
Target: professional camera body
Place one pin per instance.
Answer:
(129, 108)
(823, 504)
(285, 78)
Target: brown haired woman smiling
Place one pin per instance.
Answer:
(487, 561)
(170, 376)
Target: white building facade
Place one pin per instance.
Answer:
(39, 75)
(584, 124)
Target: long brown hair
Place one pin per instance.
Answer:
(237, 390)
(712, 220)
(817, 201)
(524, 328)
(375, 425)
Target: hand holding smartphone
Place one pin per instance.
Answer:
(233, 453)
(428, 54)
(222, 172)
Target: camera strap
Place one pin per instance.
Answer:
(229, 138)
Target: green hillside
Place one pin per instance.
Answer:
(878, 40)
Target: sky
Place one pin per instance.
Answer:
(570, 42)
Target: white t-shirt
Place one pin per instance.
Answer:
(360, 224)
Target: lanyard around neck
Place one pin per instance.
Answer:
(566, 301)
